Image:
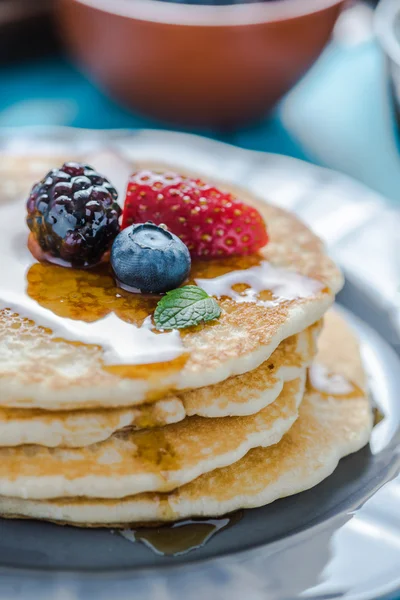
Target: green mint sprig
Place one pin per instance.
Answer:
(185, 307)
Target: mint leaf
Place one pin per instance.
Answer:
(185, 307)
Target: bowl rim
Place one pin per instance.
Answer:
(386, 14)
(175, 13)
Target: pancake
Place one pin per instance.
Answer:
(158, 459)
(82, 428)
(241, 395)
(70, 339)
(249, 393)
(330, 425)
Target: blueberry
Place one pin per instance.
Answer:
(149, 258)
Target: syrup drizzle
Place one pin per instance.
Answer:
(88, 307)
(180, 537)
(123, 342)
(282, 283)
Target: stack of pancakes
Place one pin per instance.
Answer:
(247, 413)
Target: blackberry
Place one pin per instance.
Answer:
(73, 214)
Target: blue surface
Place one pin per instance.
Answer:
(53, 92)
(339, 115)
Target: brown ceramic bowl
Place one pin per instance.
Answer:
(213, 66)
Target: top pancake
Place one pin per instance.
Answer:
(70, 339)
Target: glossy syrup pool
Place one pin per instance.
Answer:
(180, 537)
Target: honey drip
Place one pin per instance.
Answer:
(378, 415)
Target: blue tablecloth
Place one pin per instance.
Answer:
(338, 116)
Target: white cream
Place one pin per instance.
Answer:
(326, 382)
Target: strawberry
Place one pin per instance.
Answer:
(211, 223)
